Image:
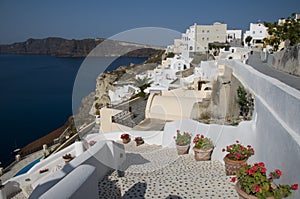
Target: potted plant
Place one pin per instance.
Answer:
(203, 147)
(92, 142)
(253, 183)
(139, 141)
(125, 138)
(182, 142)
(236, 157)
(43, 170)
(67, 157)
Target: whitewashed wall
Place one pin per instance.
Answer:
(277, 125)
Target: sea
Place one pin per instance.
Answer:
(36, 96)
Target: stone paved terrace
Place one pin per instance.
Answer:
(153, 172)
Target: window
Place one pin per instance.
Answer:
(253, 32)
(203, 31)
(207, 31)
(202, 38)
(207, 38)
(191, 48)
(260, 31)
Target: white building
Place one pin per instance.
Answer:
(122, 93)
(206, 34)
(197, 38)
(232, 35)
(176, 63)
(258, 32)
(177, 48)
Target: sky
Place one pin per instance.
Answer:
(78, 19)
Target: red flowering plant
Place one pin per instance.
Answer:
(138, 139)
(125, 136)
(182, 139)
(253, 180)
(238, 152)
(202, 142)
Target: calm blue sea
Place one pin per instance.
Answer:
(36, 96)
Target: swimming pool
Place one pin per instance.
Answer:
(29, 166)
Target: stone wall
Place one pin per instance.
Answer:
(287, 60)
(223, 102)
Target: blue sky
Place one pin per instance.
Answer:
(20, 20)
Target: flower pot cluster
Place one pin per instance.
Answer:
(203, 146)
(126, 139)
(252, 180)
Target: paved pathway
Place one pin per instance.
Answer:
(155, 172)
(255, 62)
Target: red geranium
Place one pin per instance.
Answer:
(254, 181)
(294, 187)
(125, 136)
(233, 179)
(238, 152)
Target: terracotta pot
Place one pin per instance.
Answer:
(244, 195)
(181, 150)
(126, 141)
(232, 167)
(201, 155)
(68, 160)
(138, 143)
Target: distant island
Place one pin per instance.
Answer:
(60, 47)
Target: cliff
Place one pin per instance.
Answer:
(47, 139)
(77, 48)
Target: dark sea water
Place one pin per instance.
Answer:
(36, 96)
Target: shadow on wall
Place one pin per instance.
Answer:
(137, 191)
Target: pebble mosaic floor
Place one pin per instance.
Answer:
(153, 172)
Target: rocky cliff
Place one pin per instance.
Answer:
(77, 48)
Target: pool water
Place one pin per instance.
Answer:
(29, 166)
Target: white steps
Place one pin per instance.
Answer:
(174, 177)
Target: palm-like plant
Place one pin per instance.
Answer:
(142, 83)
(248, 40)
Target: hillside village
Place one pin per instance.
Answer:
(200, 84)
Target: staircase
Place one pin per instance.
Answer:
(160, 173)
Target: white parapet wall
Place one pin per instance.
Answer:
(277, 127)
(82, 182)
